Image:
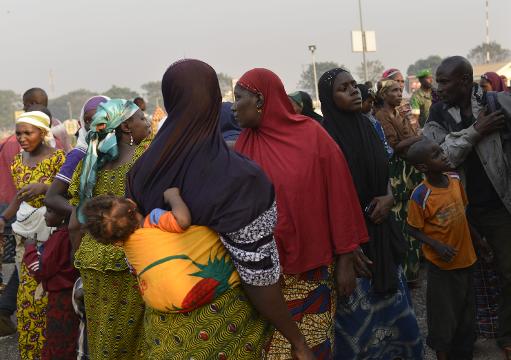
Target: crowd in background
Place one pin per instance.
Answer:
(262, 228)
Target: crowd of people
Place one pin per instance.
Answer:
(261, 229)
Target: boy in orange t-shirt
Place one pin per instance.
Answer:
(436, 217)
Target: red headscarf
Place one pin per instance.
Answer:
(497, 83)
(319, 214)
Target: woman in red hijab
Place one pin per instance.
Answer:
(319, 222)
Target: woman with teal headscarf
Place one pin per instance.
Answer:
(113, 304)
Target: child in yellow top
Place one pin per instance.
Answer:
(179, 267)
(436, 217)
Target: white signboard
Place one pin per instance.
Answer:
(356, 41)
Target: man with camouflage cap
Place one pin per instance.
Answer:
(422, 98)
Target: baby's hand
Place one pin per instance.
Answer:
(170, 194)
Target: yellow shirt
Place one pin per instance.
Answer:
(440, 214)
(44, 173)
(179, 272)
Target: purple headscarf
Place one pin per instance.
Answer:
(497, 83)
(223, 189)
(90, 104)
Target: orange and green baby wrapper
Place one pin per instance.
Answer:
(180, 272)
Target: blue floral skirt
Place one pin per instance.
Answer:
(374, 326)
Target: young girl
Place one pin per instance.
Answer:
(50, 265)
(175, 273)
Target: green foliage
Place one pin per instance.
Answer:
(374, 70)
(9, 103)
(307, 78)
(152, 95)
(431, 62)
(69, 105)
(497, 53)
(225, 82)
(116, 92)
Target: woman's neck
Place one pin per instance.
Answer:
(389, 107)
(40, 150)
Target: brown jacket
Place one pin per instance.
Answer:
(396, 127)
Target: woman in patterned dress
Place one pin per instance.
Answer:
(113, 303)
(404, 177)
(229, 194)
(33, 170)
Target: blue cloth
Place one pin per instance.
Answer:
(381, 134)
(375, 326)
(229, 127)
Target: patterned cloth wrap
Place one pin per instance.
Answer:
(114, 307)
(31, 303)
(488, 286)
(375, 326)
(44, 172)
(179, 272)
(228, 328)
(403, 179)
(311, 300)
(31, 316)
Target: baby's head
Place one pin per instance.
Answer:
(427, 156)
(111, 219)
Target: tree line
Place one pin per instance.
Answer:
(69, 105)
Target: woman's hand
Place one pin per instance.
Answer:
(30, 191)
(361, 263)
(301, 351)
(2, 225)
(345, 275)
(381, 208)
(75, 232)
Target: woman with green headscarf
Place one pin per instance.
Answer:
(113, 304)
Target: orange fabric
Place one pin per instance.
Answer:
(166, 222)
(440, 214)
(180, 272)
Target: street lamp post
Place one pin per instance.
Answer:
(312, 49)
(364, 45)
(487, 34)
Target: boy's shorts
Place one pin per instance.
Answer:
(451, 311)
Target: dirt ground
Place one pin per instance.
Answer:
(484, 349)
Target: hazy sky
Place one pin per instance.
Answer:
(96, 43)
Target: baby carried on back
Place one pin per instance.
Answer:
(179, 267)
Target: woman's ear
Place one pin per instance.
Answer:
(125, 128)
(260, 101)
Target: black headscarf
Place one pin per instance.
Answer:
(368, 163)
(223, 189)
(305, 101)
